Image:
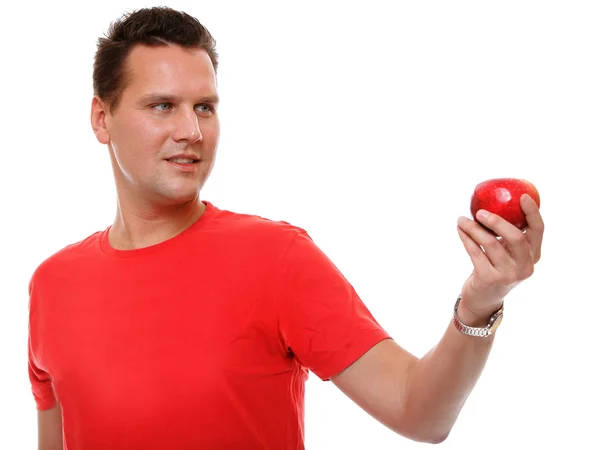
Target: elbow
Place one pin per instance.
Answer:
(421, 432)
(427, 438)
(438, 439)
(423, 424)
(432, 438)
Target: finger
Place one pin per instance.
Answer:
(535, 226)
(513, 240)
(480, 261)
(493, 248)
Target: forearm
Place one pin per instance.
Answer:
(440, 382)
(50, 432)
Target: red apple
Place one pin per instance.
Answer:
(502, 196)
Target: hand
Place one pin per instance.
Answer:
(499, 263)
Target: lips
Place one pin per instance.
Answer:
(184, 166)
(183, 160)
(182, 156)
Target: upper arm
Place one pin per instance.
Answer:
(326, 325)
(322, 320)
(377, 383)
(50, 431)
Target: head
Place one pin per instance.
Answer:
(155, 96)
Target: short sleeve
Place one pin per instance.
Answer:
(41, 382)
(41, 385)
(323, 321)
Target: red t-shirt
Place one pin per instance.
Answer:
(202, 341)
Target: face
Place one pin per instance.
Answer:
(168, 107)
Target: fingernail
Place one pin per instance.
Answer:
(482, 214)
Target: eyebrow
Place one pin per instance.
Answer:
(165, 98)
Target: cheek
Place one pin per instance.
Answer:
(212, 133)
(137, 137)
(150, 133)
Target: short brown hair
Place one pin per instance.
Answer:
(147, 26)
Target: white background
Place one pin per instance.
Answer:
(368, 124)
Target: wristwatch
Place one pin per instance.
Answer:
(490, 329)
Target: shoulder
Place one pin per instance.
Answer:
(258, 228)
(64, 258)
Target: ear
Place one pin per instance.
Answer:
(98, 119)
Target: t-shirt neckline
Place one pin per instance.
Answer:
(111, 251)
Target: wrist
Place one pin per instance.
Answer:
(475, 317)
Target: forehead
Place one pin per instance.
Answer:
(170, 69)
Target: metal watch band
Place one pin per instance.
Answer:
(491, 327)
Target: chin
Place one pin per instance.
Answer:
(175, 197)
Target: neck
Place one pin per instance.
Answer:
(143, 226)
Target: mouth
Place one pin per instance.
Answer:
(183, 160)
(184, 165)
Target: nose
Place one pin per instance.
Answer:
(187, 127)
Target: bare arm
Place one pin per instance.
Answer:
(422, 398)
(50, 434)
(419, 399)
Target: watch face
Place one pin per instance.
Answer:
(496, 324)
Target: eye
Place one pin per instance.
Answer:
(210, 108)
(163, 106)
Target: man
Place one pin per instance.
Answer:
(184, 326)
